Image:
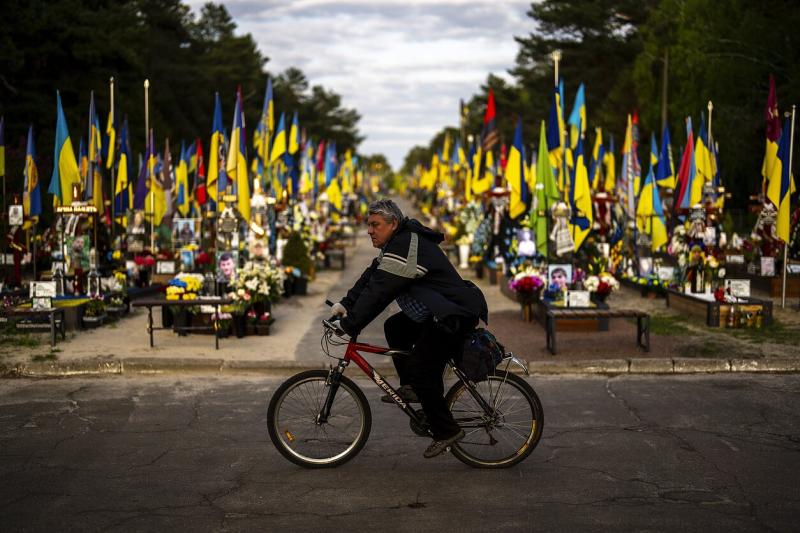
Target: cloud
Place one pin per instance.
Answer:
(403, 64)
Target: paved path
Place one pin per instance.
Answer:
(693, 453)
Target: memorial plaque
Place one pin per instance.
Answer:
(578, 299)
(738, 287)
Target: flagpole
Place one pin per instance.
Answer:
(147, 164)
(113, 192)
(788, 197)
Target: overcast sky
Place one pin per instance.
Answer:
(403, 64)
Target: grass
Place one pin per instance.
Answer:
(775, 333)
(668, 325)
(16, 340)
(43, 358)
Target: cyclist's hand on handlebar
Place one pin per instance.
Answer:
(337, 327)
(339, 310)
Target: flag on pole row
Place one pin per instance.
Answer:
(516, 175)
(65, 167)
(781, 183)
(31, 196)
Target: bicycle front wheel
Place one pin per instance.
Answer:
(293, 423)
(505, 434)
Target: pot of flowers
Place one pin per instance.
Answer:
(94, 314)
(527, 285)
(183, 287)
(296, 256)
(601, 286)
(222, 323)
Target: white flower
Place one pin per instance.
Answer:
(721, 272)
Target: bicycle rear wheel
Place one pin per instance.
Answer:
(293, 426)
(508, 433)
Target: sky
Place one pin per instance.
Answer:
(402, 64)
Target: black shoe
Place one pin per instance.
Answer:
(438, 446)
(405, 392)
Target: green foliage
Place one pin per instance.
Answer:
(95, 307)
(295, 253)
(668, 325)
(75, 46)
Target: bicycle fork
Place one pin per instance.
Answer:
(334, 378)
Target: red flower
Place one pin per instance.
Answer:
(203, 258)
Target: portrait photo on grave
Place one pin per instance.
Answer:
(560, 276)
(185, 230)
(227, 262)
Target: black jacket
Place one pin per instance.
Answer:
(412, 262)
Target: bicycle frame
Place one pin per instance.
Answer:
(352, 354)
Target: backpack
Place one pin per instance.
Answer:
(482, 353)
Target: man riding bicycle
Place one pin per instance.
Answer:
(438, 310)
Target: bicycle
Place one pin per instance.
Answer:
(321, 419)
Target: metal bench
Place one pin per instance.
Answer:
(150, 303)
(32, 319)
(642, 323)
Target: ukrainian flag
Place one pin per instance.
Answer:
(65, 167)
(665, 171)
(577, 119)
(279, 144)
(183, 199)
(687, 173)
(237, 160)
(649, 213)
(781, 184)
(598, 153)
(32, 197)
(215, 154)
(516, 175)
(580, 199)
(122, 189)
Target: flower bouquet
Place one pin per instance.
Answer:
(601, 286)
(527, 284)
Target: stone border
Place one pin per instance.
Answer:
(162, 365)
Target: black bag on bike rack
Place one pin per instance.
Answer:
(482, 353)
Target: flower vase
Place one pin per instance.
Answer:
(599, 298)
(300, 286)
(240, 325)
(463, 256)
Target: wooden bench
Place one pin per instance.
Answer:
(642, 323)
(150, 303)
(31, 319)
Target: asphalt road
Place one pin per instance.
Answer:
(692, 453)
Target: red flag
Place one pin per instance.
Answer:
(321, 156)
(771, 115)
(200, 185)
(489, 136)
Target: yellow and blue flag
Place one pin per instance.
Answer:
(65, 167)
(142, 181)
(580, 199)
(216, 156)
(610, 166)
(649, 213)
(577, 119)
(279, 144)
(32, 197)
(555, 138)
(781, 184)
(516, 175)
(111, 139)
(237, 160)
(598, 153)
(182, 192)
(665, 171)
(702, 156)
(94, 182)
(265, 128)
(773, 131)
(122, 189)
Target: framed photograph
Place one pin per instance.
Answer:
(578, 299)
(187, 259)
(226, 265)
(645, 266)
(604, 248)
(186, 230)
(735, 259)
(767, 266)
(137, 225)
(559, 275)
(41, 302)
(15, 215)
(43, 289)
(165, 267)
(738, 287)
(665, 273)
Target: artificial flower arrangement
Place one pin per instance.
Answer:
(527, 283)
(256, 283)
(145, 261)
(184, 286)
(601, 285)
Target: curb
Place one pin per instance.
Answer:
(144, 366)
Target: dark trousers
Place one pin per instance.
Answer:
(431, 347)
